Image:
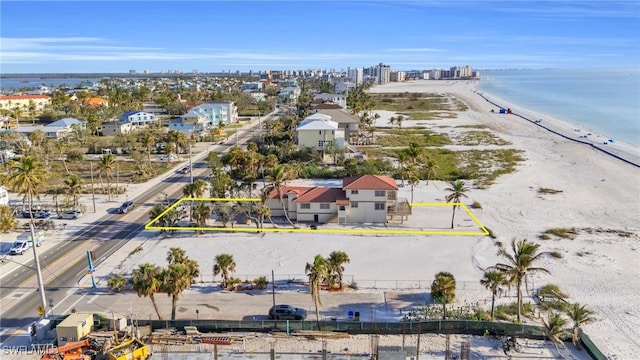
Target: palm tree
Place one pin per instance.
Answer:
(27, 177)
(413, 177)
(148, 140)
(107, 166)
(201, 214)
(493, 280)
(146, 282)
(194, 190)
(443, 290)
(175, 279)
(580, 315)
(555, 329)
(520, 262)
(277, 178)
(335, 266)
(224, 265)
(318, 273)
(177, 255)
(431, 168)
(73, 188)
(457, 192)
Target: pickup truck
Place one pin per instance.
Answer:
(23, 242)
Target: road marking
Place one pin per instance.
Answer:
(92, 299)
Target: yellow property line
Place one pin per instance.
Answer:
(150, 226)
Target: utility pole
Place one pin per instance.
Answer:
(190, 164)
(93, 191)
(43, 299)
(273, 288)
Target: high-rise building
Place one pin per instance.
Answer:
(382, 73)
(355, 75)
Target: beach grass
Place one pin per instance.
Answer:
(508, 312)
(544, 190)
(404, 137)
(419, 106)
(565, 233)
(474, 138)
(482, 166)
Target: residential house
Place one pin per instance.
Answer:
(62, 128)
(289, 94)
(204, 117)
(138, 118)
(340, 99)
(346, 121)
(317, 132)
(95, 102)
(112, 128)
(25, 102)
(361, 199)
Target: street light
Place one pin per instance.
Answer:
(197, 314)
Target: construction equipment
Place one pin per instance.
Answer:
(130, 349)
(68, 351)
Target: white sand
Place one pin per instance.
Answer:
(598, 192)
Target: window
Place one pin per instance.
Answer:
(325, 206)
(354, 192)
(320, 144)
(319, 132)
(379, 206)
(354, 204)
(380, 193)
(305, 206)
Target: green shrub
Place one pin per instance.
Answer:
(476, 205)
(565, 233)
(508, 312)
(261, 282)
(117, 283)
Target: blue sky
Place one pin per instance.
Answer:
(115, 36)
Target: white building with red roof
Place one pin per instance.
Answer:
(361, 199)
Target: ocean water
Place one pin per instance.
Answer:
(602, 101)
(35, 82)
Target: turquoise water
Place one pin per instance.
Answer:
(602, 101)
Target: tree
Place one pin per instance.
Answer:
(179, 275)
(117, 283)
(27, 177)
(175, 280)
(201, 214)
(579, 315)
(146, 281)
(443, 290)
(277, 178)
(555, 329)
(318, 272)
(7, 220)
(177, 255)
(457, 192)
(224, 264)
(335, 267)
(73, 188)
(493, 280)
(107, 166)
(521, 261)
(148, 140)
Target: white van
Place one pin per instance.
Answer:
(23, 242)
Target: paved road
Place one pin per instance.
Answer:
(18, 292)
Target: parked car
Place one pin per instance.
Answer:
(125, 207)
(184, 170)
(37, 214)
(287, 312)
(170, 157)
(71, 214)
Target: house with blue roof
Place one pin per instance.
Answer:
(137, 118)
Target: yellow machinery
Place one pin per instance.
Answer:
(133, 349)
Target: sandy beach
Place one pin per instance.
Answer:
(600, 196)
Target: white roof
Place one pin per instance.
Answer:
(319, 125)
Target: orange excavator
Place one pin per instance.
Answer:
(68, 351)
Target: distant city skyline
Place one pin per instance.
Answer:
(216, 36)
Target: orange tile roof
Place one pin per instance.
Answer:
(369, 182)
(23, 97)
(95, 101)
(321, 195)
(288, 189)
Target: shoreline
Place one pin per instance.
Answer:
(630, 159)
